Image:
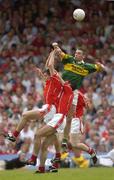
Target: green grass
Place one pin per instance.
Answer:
(63, 174)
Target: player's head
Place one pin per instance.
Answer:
(46, 73)
(79, 55)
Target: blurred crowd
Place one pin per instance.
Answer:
(27, 29)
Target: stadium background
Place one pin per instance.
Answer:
(27, 28)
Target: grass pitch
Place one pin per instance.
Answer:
(63, 174)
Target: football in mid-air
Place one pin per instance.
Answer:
(78, 14)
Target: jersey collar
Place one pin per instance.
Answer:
(81, 62)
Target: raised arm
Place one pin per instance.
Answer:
(101, 67)
(50, 66)
(47, 61)
(58, 50)
(50, 63)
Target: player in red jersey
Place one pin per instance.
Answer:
(76, 133)
(52, 92)
(58, 93)
(77, 129)
(62, 103)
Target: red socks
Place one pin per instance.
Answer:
(56, 165)
(57, 155)
(41, 169)
(33, 158)
(15, 133)
(91, 151)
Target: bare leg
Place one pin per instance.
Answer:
(57, 144)
(37, 145)
(68, 122)
(42, 132)
(26, 117)
(76, 139)
(45, 131)
(48, 141)
(67, 128)
(76, 143)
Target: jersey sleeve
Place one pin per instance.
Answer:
(67, 59)
(92, 67)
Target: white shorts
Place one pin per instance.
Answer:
(49, 110)
(76, 126)
(58, 122)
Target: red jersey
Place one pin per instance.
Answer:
(52, 90)
(65, 100)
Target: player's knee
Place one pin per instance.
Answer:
(69, 119)
(75, 144)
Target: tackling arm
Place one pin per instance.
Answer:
(50, 65)
(58, 50)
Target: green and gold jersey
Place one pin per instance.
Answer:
(75, 71)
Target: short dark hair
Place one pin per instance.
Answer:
(46, 71)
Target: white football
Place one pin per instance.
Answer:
(79, 14)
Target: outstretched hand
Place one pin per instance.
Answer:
(57, 50)
(102, 67)
(55, 44)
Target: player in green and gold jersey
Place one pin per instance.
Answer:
(75, 70)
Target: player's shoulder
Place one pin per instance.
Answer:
(89, 64)
(67, 56)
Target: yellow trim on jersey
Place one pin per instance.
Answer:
(76, 69)
(65, 56)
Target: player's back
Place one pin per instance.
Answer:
(52, 90)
